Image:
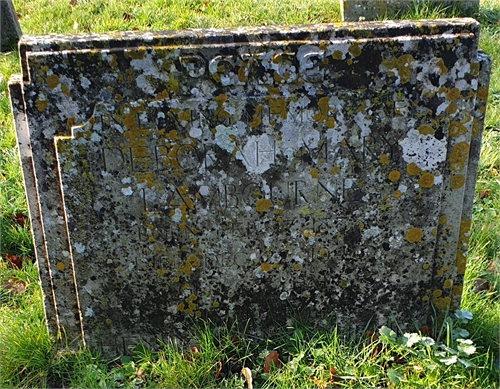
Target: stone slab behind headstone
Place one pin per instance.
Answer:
(355, 10)
(9, 26)
(262, 174)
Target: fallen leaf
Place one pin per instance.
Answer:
(425, 331)
(18, 218)
(481, 285)
(484, 193)
(235, 340)
(332, 379)
(370, 339)
(194, 350)
(72, 2)
(273, 358)
(14, 286)
(319, 383)
(126, 16)
(219, 369)
(16, 262)
(492, 267)
(139, 373)
(494, 171)
(247, 373)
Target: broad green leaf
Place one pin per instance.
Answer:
(449, 361)
(394, 376)
(466, 346)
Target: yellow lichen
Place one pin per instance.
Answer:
(437, 293)
(384, 159)
(354, 50)
(60, 266)
(394, 176)
(426, 181)
(414, 235)
(308, 233)
(265, 266)
(160, 272)
(448, 283)
(52, 81)
(441, 302)
(474, 68)
(459, 156)
(40, 104)
(457, 181)
(457, 290)
(263, 205)
(442, 67)
(335, 170)
(442, 220)
(460, 261)
(215, 304)
(482, 93)
(108, 321)
(314, 173)
(424, 129)
(397, 194)
(297, 266)
(412, 169)
(330, 122)
(425, 266)
(337, 55)
(277, 106)
(457, 129)
(323, 105)
(451, 108)
(453, 94)
(403, 64)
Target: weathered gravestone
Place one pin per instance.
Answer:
(255, 173)
(355, 10)
(9, 26)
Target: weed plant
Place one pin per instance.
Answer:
(459, 351)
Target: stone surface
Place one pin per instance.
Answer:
(9, 26)
(262, 174)
(356, 10)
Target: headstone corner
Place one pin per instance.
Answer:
(9, 26)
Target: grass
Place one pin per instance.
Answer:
(300, 357)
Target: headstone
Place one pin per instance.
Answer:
(322, 172)
(9, 26)
(361, 10)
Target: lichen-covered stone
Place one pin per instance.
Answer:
(356, 10)
(263, 173)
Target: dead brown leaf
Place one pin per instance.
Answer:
(126, 16)
(14, 286)
(481, 285)
(219, 369)
(319, 383)
(16, 262)
(272, 357)
(72, 2)
(484, 193)
(370, 339)
(19, 218)
(247, 373)
(426, 331)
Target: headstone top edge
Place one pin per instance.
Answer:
(260, 34)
